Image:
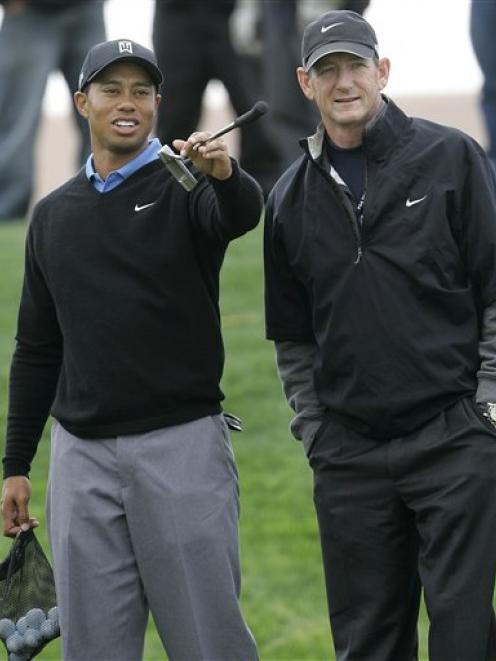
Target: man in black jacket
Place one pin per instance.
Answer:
(37, 37)
(381, 299)
(119, 339)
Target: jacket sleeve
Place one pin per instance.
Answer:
(287, 305)
(295, 367)
(225, 210)
(288, 322)
(35, 367)
(474, 220)
(474, 227)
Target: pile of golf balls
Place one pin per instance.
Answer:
(29, 632)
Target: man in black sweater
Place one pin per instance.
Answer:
(119, 339)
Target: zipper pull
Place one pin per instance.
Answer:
(359, 255)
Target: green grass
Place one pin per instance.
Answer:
(283, 589)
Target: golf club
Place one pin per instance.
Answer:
(175, 163)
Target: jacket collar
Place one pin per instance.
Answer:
(385, 129)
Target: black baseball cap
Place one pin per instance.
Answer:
(339, 31)
(102, 55)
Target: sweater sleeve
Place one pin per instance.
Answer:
(486, 376)
(35, 368)
(229, 208)
(295, 366)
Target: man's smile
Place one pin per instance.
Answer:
(125, 126)
(347, 99)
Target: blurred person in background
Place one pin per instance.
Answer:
(36, 38)
(483, 34)
(275, 27)
(119, 339)
(380, 253)
(192, 39)
(283, 21)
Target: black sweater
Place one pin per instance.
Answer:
(119, 328)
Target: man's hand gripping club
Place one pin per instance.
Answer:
(209, 156)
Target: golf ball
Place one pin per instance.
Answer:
(15, 642)
(7, 628)
(17, 657)
(49, 630)
(35, 618)
(22, 625)
(53, 614)
(32, 638)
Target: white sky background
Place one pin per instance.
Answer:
(428, 42)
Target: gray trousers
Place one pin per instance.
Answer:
(148, 522)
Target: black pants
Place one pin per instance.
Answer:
(398, 515)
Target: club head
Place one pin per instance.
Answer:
(175, 164)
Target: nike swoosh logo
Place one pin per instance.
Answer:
(324, 28)
(144, 206)
(411, 203)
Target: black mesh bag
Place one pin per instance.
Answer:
(28, 606)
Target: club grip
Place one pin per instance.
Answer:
(259, 109)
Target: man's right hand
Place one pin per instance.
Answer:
(16, 493)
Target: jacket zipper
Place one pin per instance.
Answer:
(361, 216)
(350, 210)
(354, 226)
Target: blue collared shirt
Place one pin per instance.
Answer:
(116, 177)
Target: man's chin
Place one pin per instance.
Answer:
(351, 118)
(127, 147)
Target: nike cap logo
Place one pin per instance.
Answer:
(411, 203)
(144, 206)
(324, 28)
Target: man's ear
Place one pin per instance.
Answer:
(304, 81)
(384, 67)
(81, 103)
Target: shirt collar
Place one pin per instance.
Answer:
(143, 158)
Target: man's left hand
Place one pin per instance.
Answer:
(212, 158)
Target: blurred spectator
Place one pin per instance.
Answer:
(36, 38)
(193, 45)
(483, 33)
(292, 117)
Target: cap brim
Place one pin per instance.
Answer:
(155, 73)
(340, 47)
